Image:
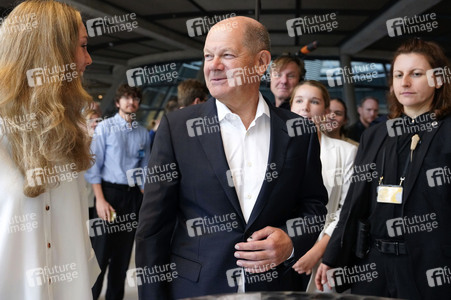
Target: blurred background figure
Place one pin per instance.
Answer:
(172, 105)
(286, 72)
(119, 145)
(338, 119)
(311, 100)
(368, 110)
(96, 107)
(191, 92)
(93, 118)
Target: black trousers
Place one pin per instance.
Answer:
(113, 242)
(395, 277)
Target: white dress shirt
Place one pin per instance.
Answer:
(246, 151)
(45, 251)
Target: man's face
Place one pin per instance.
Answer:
(128, 104)
(223, 51)
(368, 111)
(284, 80)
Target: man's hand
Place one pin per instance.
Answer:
(104, 209)
(265, 249)
(321, 276)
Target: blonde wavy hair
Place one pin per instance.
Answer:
(59, 136)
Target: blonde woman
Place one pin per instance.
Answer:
(311, 100)
(45, 251)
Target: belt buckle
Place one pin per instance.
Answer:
(396, 248)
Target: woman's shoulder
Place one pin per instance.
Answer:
(340, 143)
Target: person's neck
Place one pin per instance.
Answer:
(413, 112)
(366, 124)
(280, 101)
(126, 116)
(245, 108)
(335, 134)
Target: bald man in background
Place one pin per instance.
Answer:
(220, 224)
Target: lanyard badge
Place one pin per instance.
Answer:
(393, 193)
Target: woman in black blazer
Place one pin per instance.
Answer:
(393, 236)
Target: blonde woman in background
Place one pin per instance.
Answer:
(310, 99)
(45, 251)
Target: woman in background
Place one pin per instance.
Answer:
(338, 118)
(393, 233)
(45, 251)
(311, 100)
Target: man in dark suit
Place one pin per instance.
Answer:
(225, 181)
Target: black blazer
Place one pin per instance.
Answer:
(426, 250)
(201, 190)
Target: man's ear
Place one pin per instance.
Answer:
(263, 61)
(196, 101)
(359, 110)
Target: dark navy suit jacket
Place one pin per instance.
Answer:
(170, 229)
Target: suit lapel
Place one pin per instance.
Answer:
(214, 151)
(278, 144)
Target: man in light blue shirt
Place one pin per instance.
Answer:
(121, 150)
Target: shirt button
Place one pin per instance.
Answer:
(49, 245)
(249, 196)
(249, 164)
(47, 207)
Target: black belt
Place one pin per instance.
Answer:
(123, 187)
(386, 247)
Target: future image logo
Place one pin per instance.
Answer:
(202, 25)
(213, 224)
(438, 76)
(438, 276)
(438, 176)
(413, 25)
(152, 75)
(111, 25)
(353, 274)
(355, 74)
(202, 125)
(312, 25)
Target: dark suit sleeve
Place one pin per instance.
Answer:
(157, 216)
(313, 196)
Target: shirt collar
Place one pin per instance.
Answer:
(424, 118)
(262, 109)
(117, 118)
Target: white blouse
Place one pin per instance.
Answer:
(45, 251)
